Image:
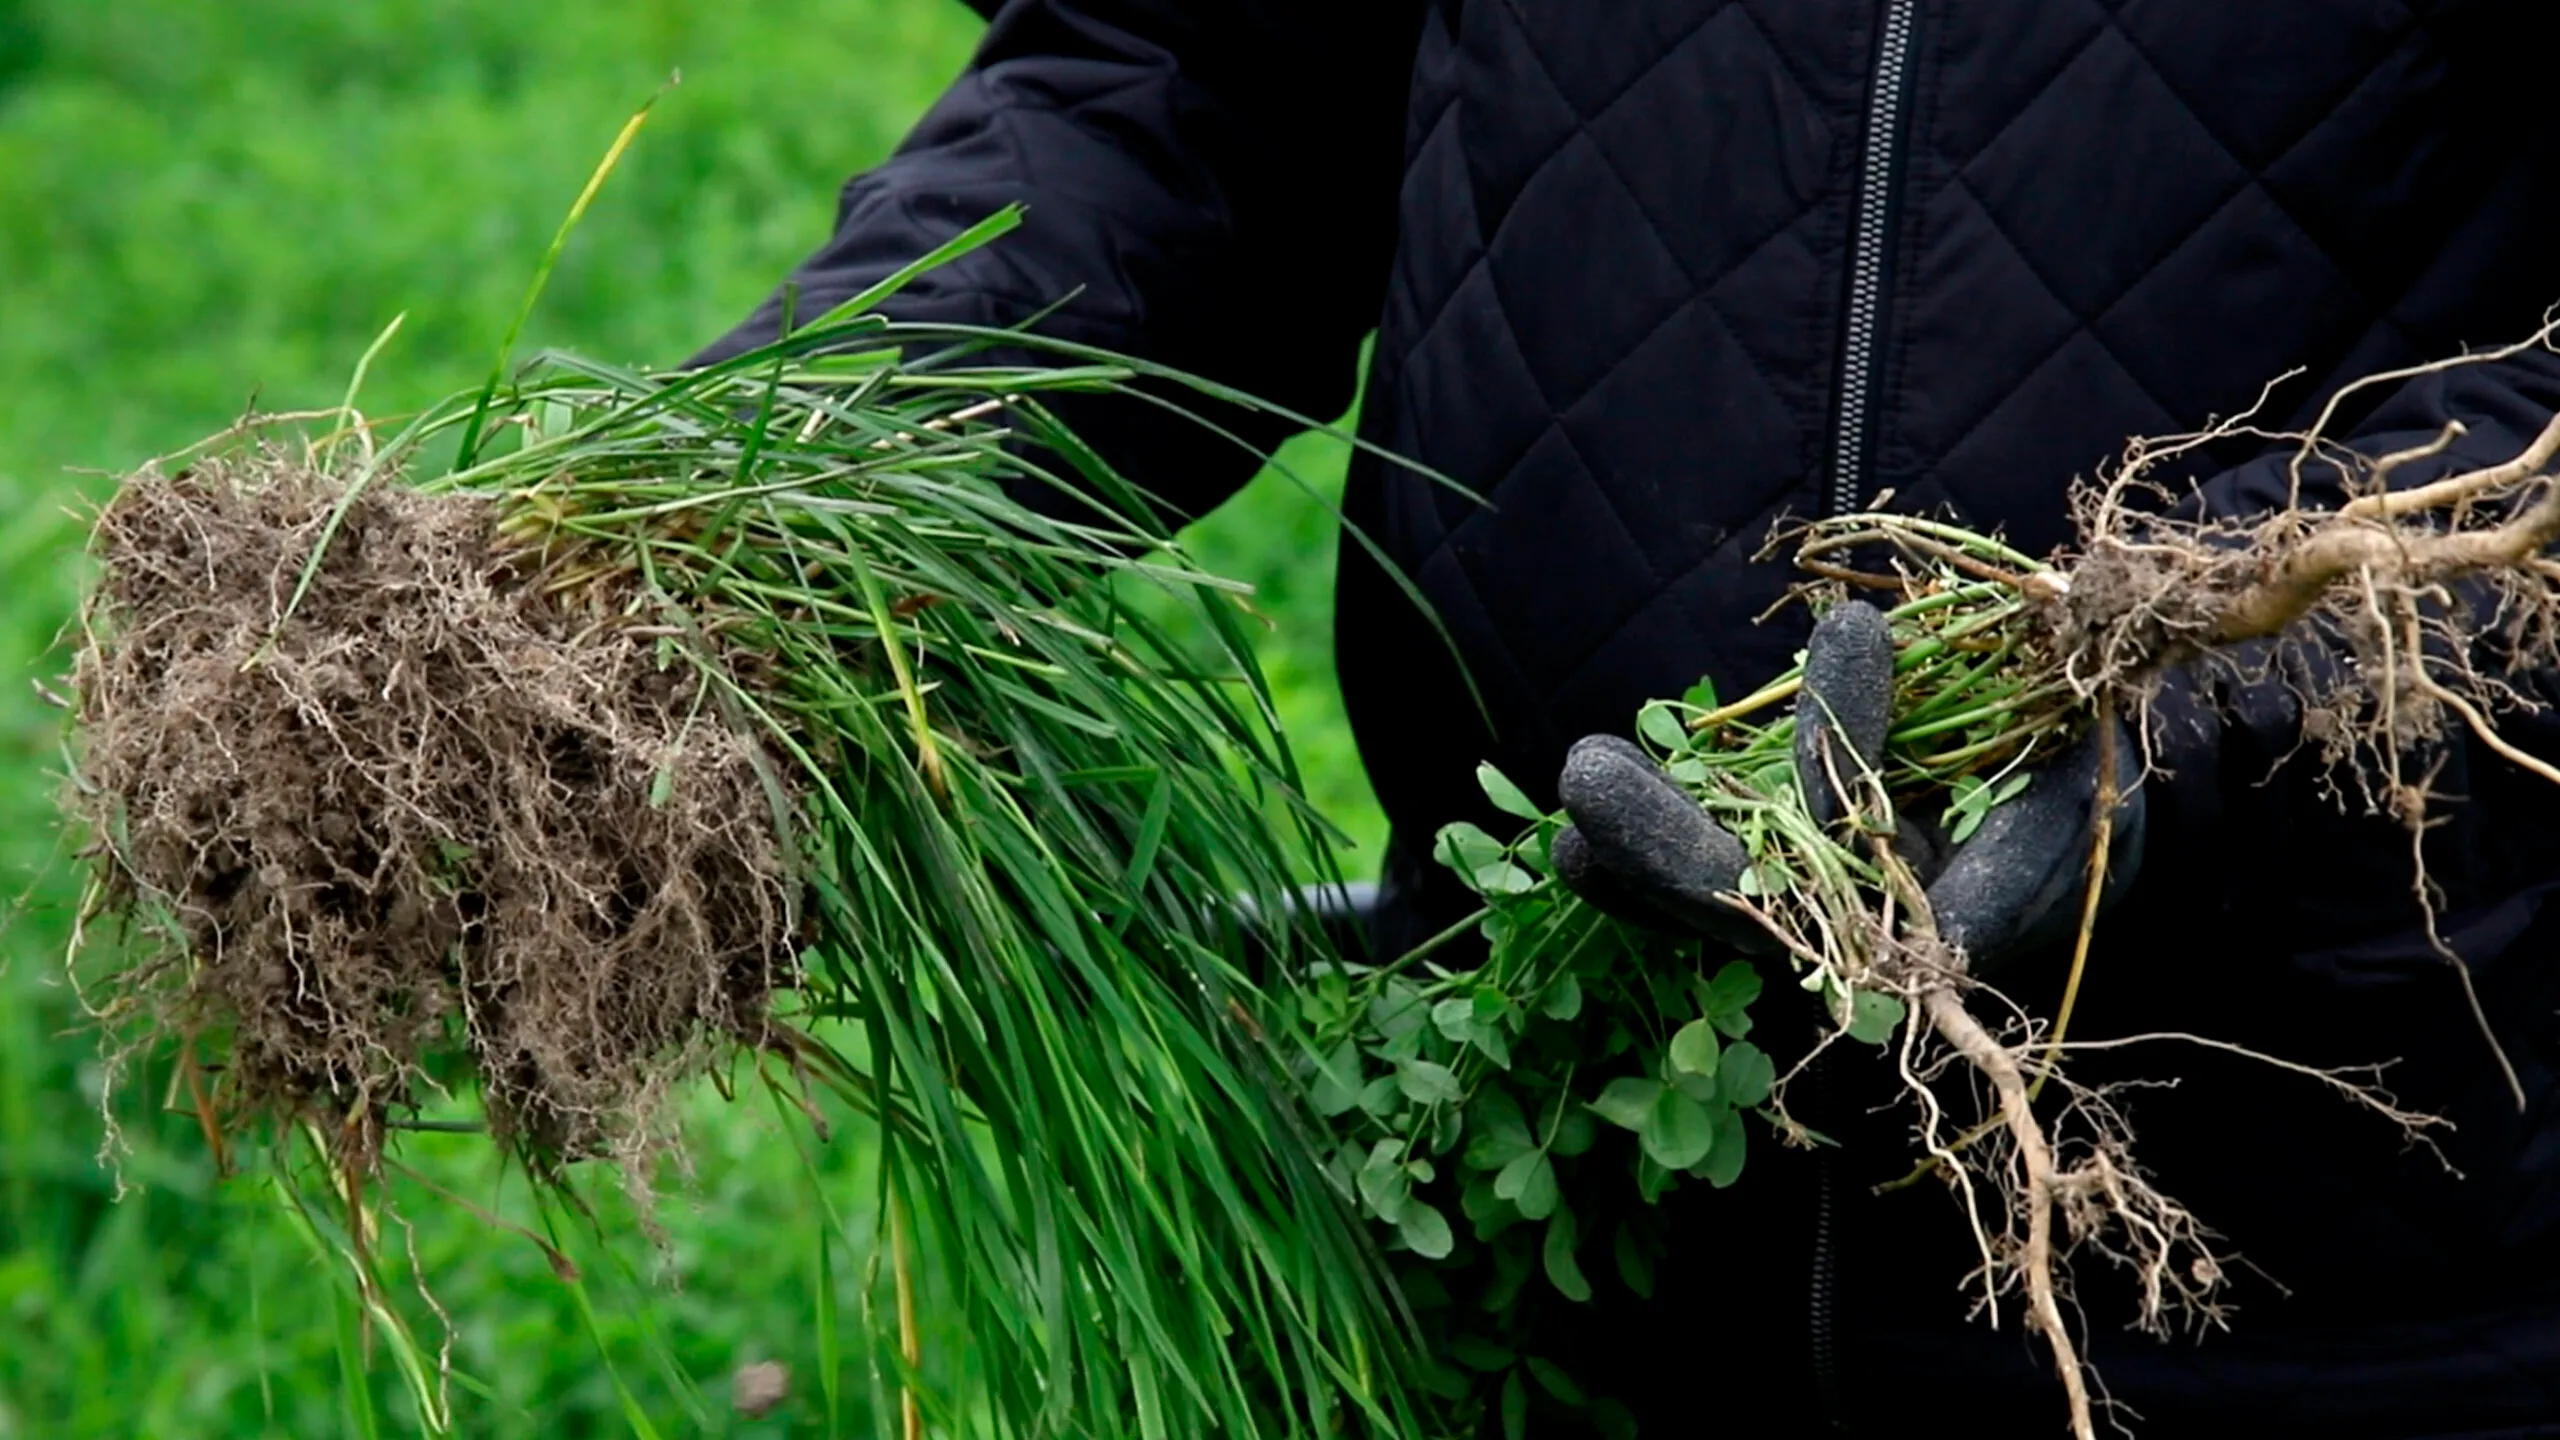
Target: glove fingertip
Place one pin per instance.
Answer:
(1854, 625)
(1598, 767)
(1848, 693)
(1583, 873)
(1571, 855)
(1640, 841)
(2015, 885)
(1848, 676)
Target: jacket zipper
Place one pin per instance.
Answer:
(1870, 245)
(1879, 171)
(1827, 1398)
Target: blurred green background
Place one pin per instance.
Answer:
(208, 205)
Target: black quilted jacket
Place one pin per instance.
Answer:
(1647, 274)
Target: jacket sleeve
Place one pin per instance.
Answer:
(2244, 806)
(1208, 184)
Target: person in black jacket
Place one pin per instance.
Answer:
(1650, 276)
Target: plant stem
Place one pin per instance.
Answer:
(1414, 956)
(910, 1340)
(1962, 720)
(2101, 838)
(1757, 701)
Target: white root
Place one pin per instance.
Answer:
(2034, 1261)
(2418, 666)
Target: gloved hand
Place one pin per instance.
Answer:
(1642, 850)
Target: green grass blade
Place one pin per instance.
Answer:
(354, 1388)
(347, 422)
(470, 447)
(1002, 222)
(633, 1413)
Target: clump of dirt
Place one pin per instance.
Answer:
(757, 1389)
(2145, 594)
(433, 817)
(2396, 617)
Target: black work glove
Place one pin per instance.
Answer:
(1642, 850)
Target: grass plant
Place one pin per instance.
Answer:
(1020, 816)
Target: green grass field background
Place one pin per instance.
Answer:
(205, 206)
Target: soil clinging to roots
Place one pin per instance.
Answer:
(439, 815)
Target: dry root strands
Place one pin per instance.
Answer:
(2434, 602)
(2149, 592)
(2406, 617)
(438, 812)
(717, 722)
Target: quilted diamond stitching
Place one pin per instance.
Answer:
(1742, 341)
(2083, 324)
(1678, 42)
(1556, 403)
(1581, 132)
(1665, 587)
(1702, 283)
(1661, 587)
(1517, 674)
(1485, 241)
(2318, 114)
(1491, 490)
(1475, 225)
(1427, 130)
(1544, 682)
(1639, 343)
(1655, 583)
(2113, 24)
(1747, 532)
(2028, 101)
(1439, 552)
(1582, 120)
(1769, 39)
(2255, 173)
(1609, 502)
(1654, 222)
(2368, 313)
(2386, 312)
(2188, 174)
(2255, 179)
(2321, 117)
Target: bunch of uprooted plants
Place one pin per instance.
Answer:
(831, 719)
(2441, 601)
(2429, 607)
(827, 721)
